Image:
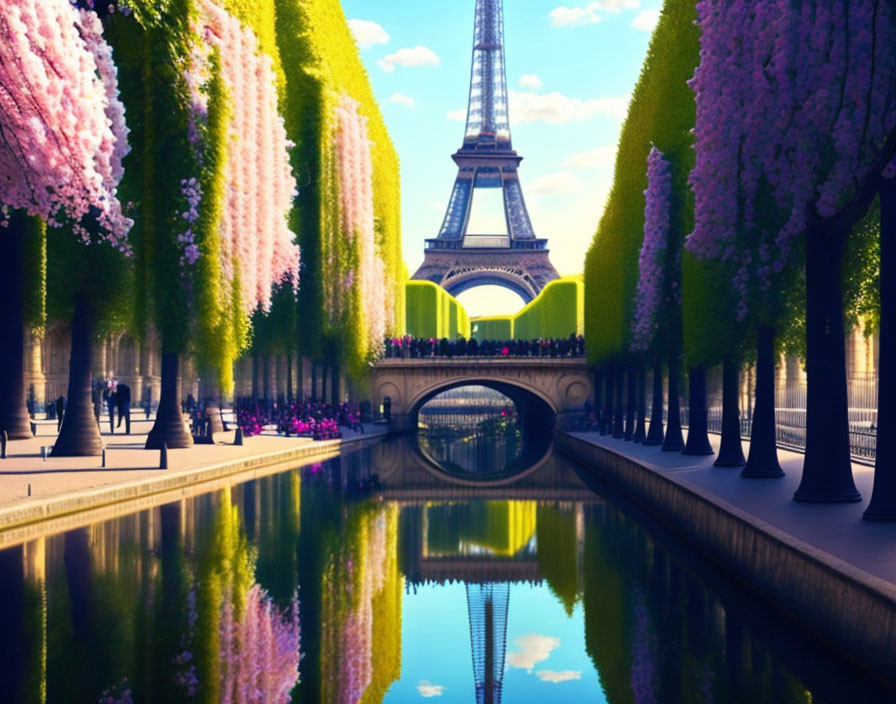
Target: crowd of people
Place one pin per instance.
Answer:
(309, 419)
(415, 348)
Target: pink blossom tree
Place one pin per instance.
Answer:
(62, 139)
(796, 109)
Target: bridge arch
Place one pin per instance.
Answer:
(537, 411)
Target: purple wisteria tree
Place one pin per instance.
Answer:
(657, 311)
(796, 110)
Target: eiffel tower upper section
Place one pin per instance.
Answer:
(458, 259)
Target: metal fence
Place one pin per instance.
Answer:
(790, 412)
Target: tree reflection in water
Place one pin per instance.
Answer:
(196, 601)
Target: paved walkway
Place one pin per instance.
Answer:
(25, 469)
(837, 529)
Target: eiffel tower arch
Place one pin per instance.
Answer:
(458, 259)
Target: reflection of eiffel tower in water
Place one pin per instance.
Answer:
(487, 607)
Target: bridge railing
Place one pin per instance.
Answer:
(419, 348)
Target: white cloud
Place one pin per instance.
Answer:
(402, 99)
(418, 56)
(588, 14)
(459, 115)
(533, 650)
(530, 80)
(646, 20)
(368, 33)
(593, 158)
(560, 184)
(557, 108)
(427, 689)
(555, 677)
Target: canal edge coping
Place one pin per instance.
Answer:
(844, 605)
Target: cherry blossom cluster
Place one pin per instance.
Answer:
(654, 280)
(355, 171)
(794, 105)
(259, 651)
(260, 186)
(62, 130)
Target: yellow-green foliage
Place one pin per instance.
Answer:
(492, 327)
(322, 62)
(432, 312)
(385, 652)
(556, 533)
(661, 113)
(559, 311)
(503, 527)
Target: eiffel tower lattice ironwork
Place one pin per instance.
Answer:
(487, 609)
(458, 260)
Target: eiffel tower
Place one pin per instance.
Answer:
(459, 260)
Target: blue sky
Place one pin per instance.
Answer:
(571, 67)
(546, 658)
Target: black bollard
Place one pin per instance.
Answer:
(34, 430)
(163, 456)
(238, 437)
(3, 440)
(104, 458)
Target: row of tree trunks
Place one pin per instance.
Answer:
(13, 413)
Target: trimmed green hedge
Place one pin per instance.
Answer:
(432, 312)
(559, 311)
(493, 327)
(661, 113)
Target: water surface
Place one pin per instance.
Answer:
(402, 587)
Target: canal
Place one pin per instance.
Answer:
(397, 579)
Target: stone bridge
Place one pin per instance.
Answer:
(549, 392)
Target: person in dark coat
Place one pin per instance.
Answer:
(123, 401)
(110, 405)
(60, 411)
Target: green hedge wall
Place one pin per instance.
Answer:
(433, 312)
(492, 327)
(559, 311)
(661, 113)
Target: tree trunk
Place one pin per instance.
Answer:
(598, 399)
(255, 376)
(827, 470)
(655, 434)
(266, 380)
(80, 434)
(641, 426)
(630, 400)
(606, 427)
(762, 461)
(698, 425)
(882, 506)
(314, 396)
(323, 383)
(674, 441)
(731, 451)
(300, 379)
(618, 416)
(289, 378)
(335, 379)
(169, 426)
(13, 411)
